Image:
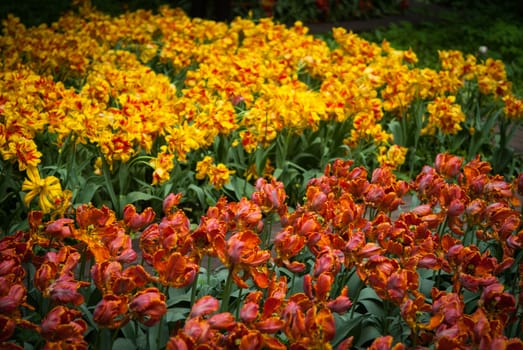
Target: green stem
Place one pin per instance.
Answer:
(441, 227)
(355, 299)
(82, 264)
(268, 231)
(208, 270)
(109, 185)
(194, 288)
(347, 274)
(238, 306)
(162, 320)
(227, 292)
(386, 320)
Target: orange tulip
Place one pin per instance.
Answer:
(270, 196)
(112, 311)
(174, 269)
(385, 343)
(449, 166)
(241, 252)
(148, 306)
(7, 328)
(55, 277)
(63, 327)
(110, 278)
(287, 245)
(136, 221)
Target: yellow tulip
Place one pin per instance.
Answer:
(48, 190)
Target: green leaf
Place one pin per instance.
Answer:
(425, 285)
(368, 334)
(346, 327)
(136, 196)
(176, 314)
(368, 293)
(87, 314)
(129, 331)
(277, 173)
(106, 339)
(86, 192)
(198, 191)
(374, 307)
(123, 344)
(178, 295)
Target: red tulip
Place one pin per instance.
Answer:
(111, 311)
(63, 326)
(204, 306)
(148, 306)
(60, 228)
(448, 165)
(136, 221)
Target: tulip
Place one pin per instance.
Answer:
(136, 221)
(448, 165)
(148, 306)
(63, 325)
(111, 311)
(204, 306)
(60, 228)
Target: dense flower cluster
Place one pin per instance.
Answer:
(92, 79)
(103, 118)
(351, 223)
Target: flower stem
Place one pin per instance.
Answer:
(208, 269)
(239, 301)
(227, 292)
(195, 287)
(355, 300)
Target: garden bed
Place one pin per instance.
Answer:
(184, 183)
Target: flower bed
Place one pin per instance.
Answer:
(192, 137)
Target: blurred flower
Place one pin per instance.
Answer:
(393, 157)
(385, 342)
(218, 174)
(513, 107)
(162, 165)
(444, 115)
(24, 151)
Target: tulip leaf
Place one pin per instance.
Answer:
(240, 187)
(373, 307)
(129, 331)
(176, 314)
(346, 327)
(425, 281)
(86, 192)
(136, 196)
(198, 191)
(105, 339)
(123, 344)
(367, 335)
(368, 293)
(178, 295)
(471, 300)
(88, 315)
